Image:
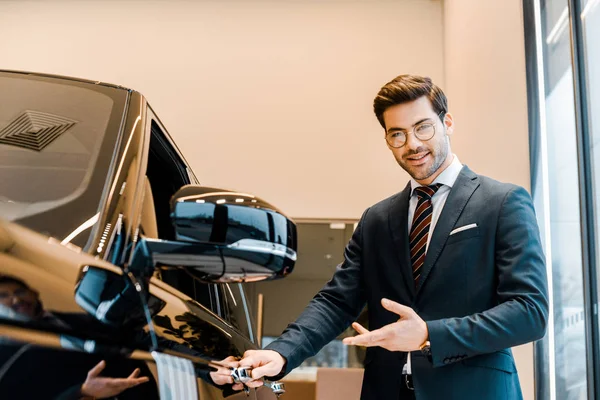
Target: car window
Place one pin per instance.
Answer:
(166, 173)
(51, 135)
(186, 327)
(202, 292)
(235, 308)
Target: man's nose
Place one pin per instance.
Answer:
(412, 142)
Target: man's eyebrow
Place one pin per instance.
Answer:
(393, 129)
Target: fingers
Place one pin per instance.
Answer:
(397, 308)
(220, 379)
(134, 377)
(250, 359)
(94, 372)
(266, 370)
(126, 383)
(221, 376)
(131, 382)
(263, 363)
(138, 381)
(122, 386)
(255, 384)
(230, 362)
(359, 328)
(134, 374)
(258, 358)
(368, 339)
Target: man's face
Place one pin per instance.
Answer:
(18, 298)
(423, 160)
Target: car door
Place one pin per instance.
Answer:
(61, 313)
(235, 310)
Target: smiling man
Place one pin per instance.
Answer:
(451, 269)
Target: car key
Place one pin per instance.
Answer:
(243, 375)
(277, 387)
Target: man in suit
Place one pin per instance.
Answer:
(451, 269)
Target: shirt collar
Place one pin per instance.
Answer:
(447, 177)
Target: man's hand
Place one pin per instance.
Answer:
(222, 375)
(263, 363)
(407, 334)
(99, 387)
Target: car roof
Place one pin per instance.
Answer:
(39, 74)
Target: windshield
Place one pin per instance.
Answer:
(52, 134)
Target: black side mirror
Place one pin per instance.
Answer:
(113, 299)
(224, 236)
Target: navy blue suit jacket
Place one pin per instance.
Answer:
(482, 291)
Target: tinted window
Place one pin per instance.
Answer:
(57, 140)
(186, 283)
(50, 136)
(235, 308)
(167, 174)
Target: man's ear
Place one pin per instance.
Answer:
(449, 124)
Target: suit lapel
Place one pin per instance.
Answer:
(398, 223)
(461, 192)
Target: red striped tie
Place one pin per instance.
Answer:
(419, 230)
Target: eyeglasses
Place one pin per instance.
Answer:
(423, 131)
(20, 293)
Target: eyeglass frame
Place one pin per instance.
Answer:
(20, 293)
(412, 131)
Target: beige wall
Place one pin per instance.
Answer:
(484, 60)
(271, 97)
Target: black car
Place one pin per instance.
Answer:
(111, 250)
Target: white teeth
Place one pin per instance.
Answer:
(418, 158)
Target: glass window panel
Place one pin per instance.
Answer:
(590, 18)
(236, 310)
(564, 227)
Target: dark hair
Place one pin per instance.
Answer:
(405, 88)
(12, 279)
(39, 307)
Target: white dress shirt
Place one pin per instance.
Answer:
(447, 179)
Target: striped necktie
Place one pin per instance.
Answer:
(419, 230)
